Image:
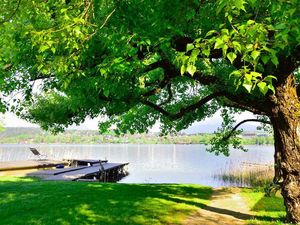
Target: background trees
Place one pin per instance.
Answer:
(138, 62)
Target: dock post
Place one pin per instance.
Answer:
(102, 172)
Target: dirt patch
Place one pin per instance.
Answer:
(227, 207)
(17, 173)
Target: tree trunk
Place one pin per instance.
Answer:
(286, 124)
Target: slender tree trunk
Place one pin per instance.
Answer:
(286, 123)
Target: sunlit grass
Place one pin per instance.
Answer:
(267, 210)
(30, 201)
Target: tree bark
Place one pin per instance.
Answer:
(286, 124)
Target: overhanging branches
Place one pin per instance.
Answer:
(183, 110)
(242, 122)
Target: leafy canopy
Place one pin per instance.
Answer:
(139, 62)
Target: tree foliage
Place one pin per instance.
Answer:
(138, 62)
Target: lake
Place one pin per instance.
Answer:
(152, 163)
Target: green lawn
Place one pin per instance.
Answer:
(267, 210)
(29, 201)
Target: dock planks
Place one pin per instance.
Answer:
(80, 173)
(29, 164)
(56, 171)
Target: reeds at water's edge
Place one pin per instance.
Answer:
(248, 175)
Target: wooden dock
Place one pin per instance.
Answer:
(29, 164)
(78, 169)
(82, 172)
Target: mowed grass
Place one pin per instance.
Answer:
(266, 210)
(30, 201)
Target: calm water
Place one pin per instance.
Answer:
(152, 163)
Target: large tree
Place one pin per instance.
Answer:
(138, 62)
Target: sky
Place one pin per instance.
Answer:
(209, 125)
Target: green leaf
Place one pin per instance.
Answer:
(231, 56)
(194, 54)
(240, 4)
(53, 50)
(189, 47)
(132, 51)
(255, 54)
(263, 87)
(274, 60)
(265, 59)
(103, 71)
(43, 48)
(270, 78)
(225, 31)
(248, 86)
(249, 46)
(237, 46)
(224, 50)
(191, 69)
(106, 93)
(250, 22)
(255, 74)
(209, 33)
(271, 87)
(182, 69)
(235, 73)
(219, 43)
(248, 78)
(190, 14)
(280, 26)
(206, 52)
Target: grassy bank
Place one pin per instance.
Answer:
(29, 201)
(267, 210)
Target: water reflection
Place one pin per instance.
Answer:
(152, 163)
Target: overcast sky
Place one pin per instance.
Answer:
(209, 125)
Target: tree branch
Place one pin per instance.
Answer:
(244, 107)
(183, 110)
(201, 78)
(242, 122)
(260, 106)
(170, 71)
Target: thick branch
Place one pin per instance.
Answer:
(244, 107)
(183, 110)
(260, 106)
(170, 71)
(201, 78)
(242, 122)
(41, 77)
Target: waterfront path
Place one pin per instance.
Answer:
(227, 207)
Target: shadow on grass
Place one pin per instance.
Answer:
(29, 201)
(268, 210)
(235, 214)
(269, 204)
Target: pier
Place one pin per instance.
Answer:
(30, 164)
(70, 170)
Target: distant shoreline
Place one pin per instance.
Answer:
(36, 136)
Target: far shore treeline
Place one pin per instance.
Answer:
(36, 135)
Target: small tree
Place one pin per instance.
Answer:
(177, 62)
